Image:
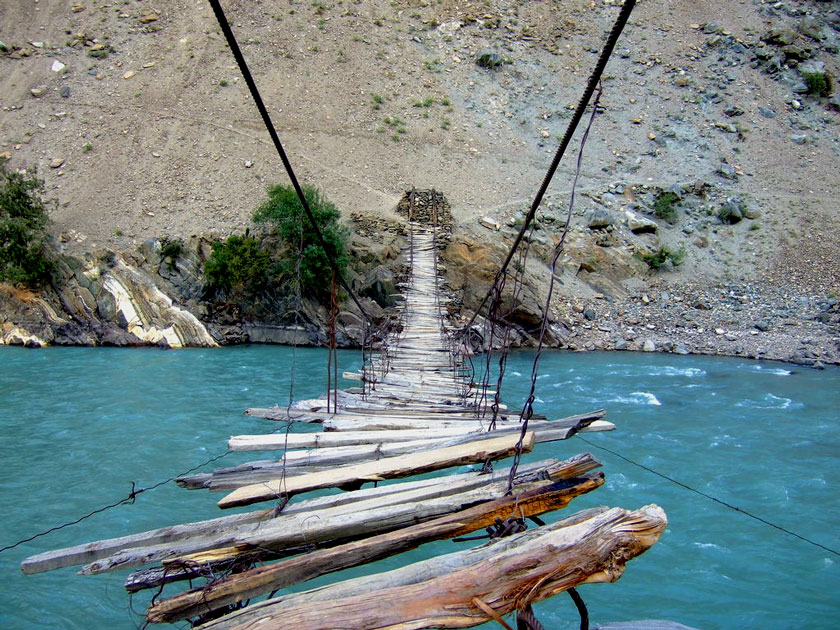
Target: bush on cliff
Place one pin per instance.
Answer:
(659, 258)
(237, 266)
(284, 215)
(24, 258)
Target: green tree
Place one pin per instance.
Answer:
(283, 213)
(24, 258)
(238, 266)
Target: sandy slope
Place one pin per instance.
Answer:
(160, 138)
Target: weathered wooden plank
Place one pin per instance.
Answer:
(381, 422)
(322, 447)
(274, 441)
(389, 468)
(320, 415)
(527, 569)
(89, 552)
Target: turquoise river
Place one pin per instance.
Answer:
(80, 424)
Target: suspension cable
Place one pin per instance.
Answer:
(269, 125)
(591, 85)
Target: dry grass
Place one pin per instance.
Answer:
(21, 294)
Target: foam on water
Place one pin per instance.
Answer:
(770, 401)
(645, 398)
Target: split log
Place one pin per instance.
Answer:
(442, 592)
(393, 421)
(388, 468)
(546, 498)
(89, 552)
(431, 431)
(319, 414)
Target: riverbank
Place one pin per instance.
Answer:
(740, 320)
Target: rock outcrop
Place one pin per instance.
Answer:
(156, 296)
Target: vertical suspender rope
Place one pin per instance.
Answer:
(252, 86)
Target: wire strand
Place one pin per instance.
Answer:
(125, 501)
(712, 498)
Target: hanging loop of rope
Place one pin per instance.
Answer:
(528, 409)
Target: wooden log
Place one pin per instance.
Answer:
(421, 429)
(388, 468)
(285, 413)
(387, 494)
(92, 551)
(528, 568)
(320, 415)
(547, 497)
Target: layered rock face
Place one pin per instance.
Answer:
(151, 298)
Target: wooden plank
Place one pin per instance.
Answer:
(274, 441)
(526, 570)
(389, 468)
(89, 552)
(322, 448)
(382, 422)
(320, 415)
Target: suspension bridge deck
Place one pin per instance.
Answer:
(420, 413)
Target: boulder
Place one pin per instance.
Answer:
(380, 286)
(639, 224)
(600, 219)
(780, 36)
(730, 212)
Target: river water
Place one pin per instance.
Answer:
(80, 424)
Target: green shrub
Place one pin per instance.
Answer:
(238, 266)
(657, 259)
(284, 214)
(24, 256)
(171, 250)
(665, 206)
(818, 83)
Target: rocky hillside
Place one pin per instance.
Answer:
(718, 141)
